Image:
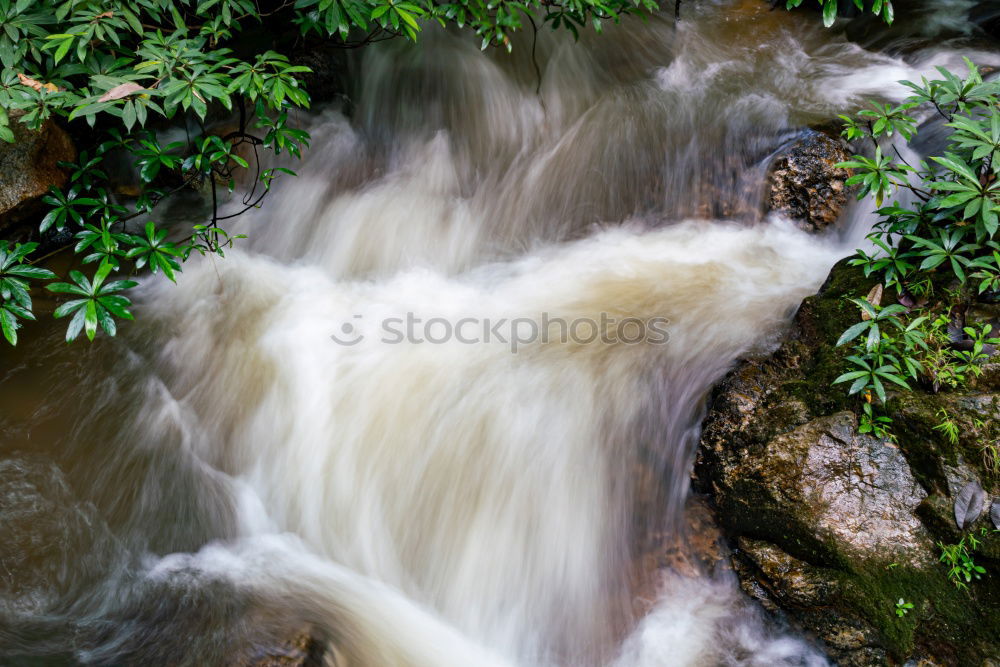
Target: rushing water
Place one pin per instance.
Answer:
(226, 472)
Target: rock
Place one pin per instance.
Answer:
(804, 183)
(831, 527)
(780, 581)
(28, 167)
(693, 549)
(841, 494)
(54, 546)
(786, 578)
(301, 650)
(328, 79)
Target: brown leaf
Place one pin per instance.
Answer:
(120, 91)
(874, 298)
(27, 81)
(105, 15)
(37, 85)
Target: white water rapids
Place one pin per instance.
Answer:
(451, 503)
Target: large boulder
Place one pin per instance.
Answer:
(832, 526)
(28, 167)
(804, 184)
(835, 492)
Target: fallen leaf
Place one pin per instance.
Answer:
(37, 85)
(29, 81)
(874, 298)
(956, 327)
(120, 91)
(969, 504)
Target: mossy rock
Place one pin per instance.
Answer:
(858, 518)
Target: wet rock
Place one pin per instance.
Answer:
(303, 649)
(841, 493)
(328, 79)
(697, 549)
(804, 183)
(779, 581)
(786, 578)
(831, 527)
(28, 167)
(63, 593)
(693, 549)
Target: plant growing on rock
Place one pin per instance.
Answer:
(962, 569)
(946, 236)
(881, 8)
(15, 277)
(903, 607)
(948, 426)
(879, 426)
(887, 352)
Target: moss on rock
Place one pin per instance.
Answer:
(833, 526)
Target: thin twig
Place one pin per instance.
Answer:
(534, 60)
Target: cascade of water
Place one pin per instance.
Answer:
(463, 491)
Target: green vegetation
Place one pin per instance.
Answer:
(121, 72)
(962, 569)
(934, 246)
(879, 426)
(940, 610)
(948, 426)
(903, 607)
(938, 254)
(881, 8)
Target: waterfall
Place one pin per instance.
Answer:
(416, 409)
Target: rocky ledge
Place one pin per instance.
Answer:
(830, 528)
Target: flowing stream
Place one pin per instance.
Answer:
(271, 445)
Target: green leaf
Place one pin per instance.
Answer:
(63, 49)
(853, 333)
(853, 375)
(829, 12)
(75, 325)
(8, 323)
(106, 321)
(90, 319)
(31, 272)
(66, 288)
(68, 307)
(128, 115)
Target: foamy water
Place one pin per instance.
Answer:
(462, 499)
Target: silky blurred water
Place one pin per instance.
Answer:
(225, 473)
